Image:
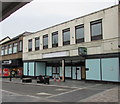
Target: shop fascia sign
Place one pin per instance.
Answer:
(82, 50)
(6, 62)
(56, 54)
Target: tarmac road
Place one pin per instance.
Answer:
(19, 92)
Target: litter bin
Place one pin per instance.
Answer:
(40, 79)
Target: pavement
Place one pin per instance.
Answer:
(63, 91)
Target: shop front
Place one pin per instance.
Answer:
(12, 65)
(73, 69)
(103, 69)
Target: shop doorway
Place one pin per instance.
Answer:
(55, 72)
(76, 73)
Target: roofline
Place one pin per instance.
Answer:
(77, 18)
(16, 37)
(4, 38)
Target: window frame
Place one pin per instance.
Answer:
(6, 50)
(20, 49)
(29, 49)
(66, 42)
(45, 46)
(3, 50)
(14, 47)
(80, 40)
(37, 39)
(96, 37)
(9, 49)
(55, 44)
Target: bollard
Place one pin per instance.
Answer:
(59, 79)
(54, 78)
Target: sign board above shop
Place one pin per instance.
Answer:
(82, 50)
(56, 54)
(6, 62)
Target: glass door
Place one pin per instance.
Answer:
(55, 72)
(76, 73)
(73, 72)
(78, 69)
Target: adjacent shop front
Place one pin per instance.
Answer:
(12, 65)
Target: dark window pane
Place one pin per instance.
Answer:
(10, 49)
(96, 30)
(98, 37)
(15, 49)
(79, 30)
(55, 39)
(6, 50)
(2, 51)
(20, 45)
(66, 36)
(45, 41)
(30, 45)
(37, 41)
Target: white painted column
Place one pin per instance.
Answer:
(60, 39)
(49, 40)
(72, 35)
(87, 32)
(33, 44)
(41, 42)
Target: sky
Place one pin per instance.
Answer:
(41, 14)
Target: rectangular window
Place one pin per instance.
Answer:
(55, 39)
(20, 46)
(15, 47)
(79, 33)
(6, 50)
(2, 51)
(66, 36)
(30, 45)
(37, 43)
(56, 70)
(10, 49)
(45, 41)
(96, 30)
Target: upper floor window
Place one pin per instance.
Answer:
(6, 50)
(55, 39)
(45, 41)
(30, 45)
(37, 43)
(3, 51)
(96, 30)
(15, 47)
(10, 49)
(66, 36)
(20, 46)
(79, 33)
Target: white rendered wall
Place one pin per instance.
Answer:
(109, 43)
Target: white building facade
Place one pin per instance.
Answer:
(85, 48)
